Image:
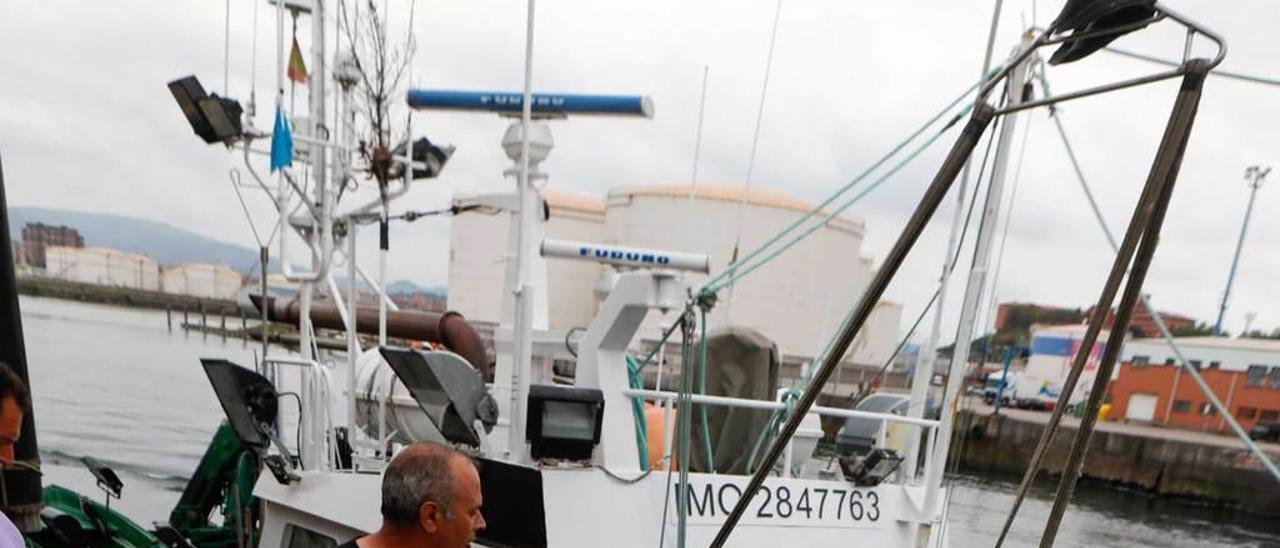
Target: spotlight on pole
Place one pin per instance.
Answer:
(215, 119)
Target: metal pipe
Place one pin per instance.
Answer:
(937, 190)
(1138, 220)
(1164, 174)
(353, 341)
(1223, 410)
(450, 329)
(1092, 91)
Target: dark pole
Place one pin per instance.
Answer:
(1164, 173)
(24, 495)
(264, 256)
(933, 196)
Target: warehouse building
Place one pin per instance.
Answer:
(1243, 373)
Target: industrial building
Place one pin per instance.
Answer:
(102, 266)
(797, 300)
(201, 280)
(1243, 373)
(37, 236)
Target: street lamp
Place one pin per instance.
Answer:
(1255, 175)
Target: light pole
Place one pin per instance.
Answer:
(1255, 175)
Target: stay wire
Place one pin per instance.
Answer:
(755, 139)
(710, 285)
(964, 230)
(717, 286)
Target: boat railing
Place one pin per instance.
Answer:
(316, 436)
(929, 426)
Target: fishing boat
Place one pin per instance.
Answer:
(596, 456)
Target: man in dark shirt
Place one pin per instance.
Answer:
(430, 498)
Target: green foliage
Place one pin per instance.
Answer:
(1200, 329)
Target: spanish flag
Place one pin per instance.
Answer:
(297, 68)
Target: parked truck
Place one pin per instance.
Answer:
(1053, 350)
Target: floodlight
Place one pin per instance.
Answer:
(448, 390)
(563, 422)
(215, 119)
(1102, 20)
(248, 400)
(432, 156)
(107, 479)
(872, 469)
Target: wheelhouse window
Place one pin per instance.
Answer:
(1140, 361)
(1247, 412)
(1181, 406)
(1273, 380)
(1269, 415)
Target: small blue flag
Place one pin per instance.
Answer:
(281, 142)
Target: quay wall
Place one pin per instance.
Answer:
(123, 296)
(1209, 470)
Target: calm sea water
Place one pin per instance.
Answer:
(116, 384)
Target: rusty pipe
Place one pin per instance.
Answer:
(449, 329)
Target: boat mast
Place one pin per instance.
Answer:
(978, 273)
(525, 250)
(924, 366)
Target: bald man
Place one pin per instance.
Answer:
(430, 498)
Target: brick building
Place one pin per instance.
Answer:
(1143, 324)
(1243, 373)
(37, 236)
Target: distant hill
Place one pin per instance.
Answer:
(406, 287)
(165, 243)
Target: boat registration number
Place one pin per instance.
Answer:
(780, 502)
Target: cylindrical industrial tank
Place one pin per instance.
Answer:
(797, 299)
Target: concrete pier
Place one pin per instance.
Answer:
(1205, 468)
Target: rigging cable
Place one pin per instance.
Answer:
(755, 143)
(964, 230)
(1216, 71)
(697, 153)
(720, 280)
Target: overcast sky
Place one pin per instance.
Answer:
(86, 123)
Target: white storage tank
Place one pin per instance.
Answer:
(478, 243)
(201, 280)
(798, 299)
(102, 266)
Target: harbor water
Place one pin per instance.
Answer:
(118, 385)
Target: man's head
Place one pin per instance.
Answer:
(433, 491)
(14, 401)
